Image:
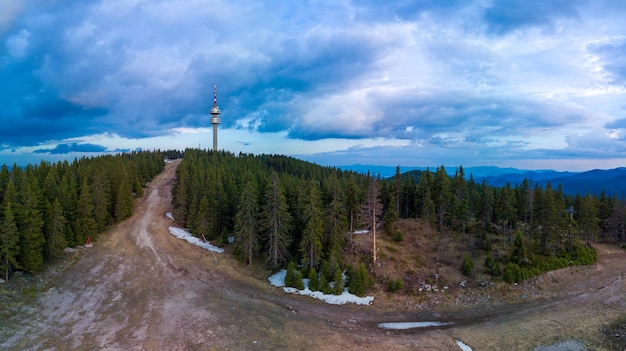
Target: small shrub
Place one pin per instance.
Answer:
(395, 285)
(293, 278)
(324, 285)
(398, 237)
(513, 273)
(467, 265)
(314, 281)
(338, 280)
(361, 281)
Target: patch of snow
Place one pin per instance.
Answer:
(1, 281)
(463, 345)
(169, 215)
(69, 250)
(278, 280)
(364, 231)
(185, 235)
(411, 325)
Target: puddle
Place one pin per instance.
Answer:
(411, 325)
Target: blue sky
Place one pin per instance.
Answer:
(525, 84)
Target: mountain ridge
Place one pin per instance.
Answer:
(611, 181)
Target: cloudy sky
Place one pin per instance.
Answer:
(516, 83)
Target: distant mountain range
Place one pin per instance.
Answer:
(612, 181)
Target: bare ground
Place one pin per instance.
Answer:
(140, 288)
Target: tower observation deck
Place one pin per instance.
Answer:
(215, 116)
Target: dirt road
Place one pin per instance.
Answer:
(140, 288)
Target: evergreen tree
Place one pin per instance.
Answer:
(314, 281)
(397, 187)
(101, 200)
(461, 201)
(467, 265)
(360, 281)
(371, 212)
(338, 282)
(30, 227)
(312, 236)
(518, 253)
(293, 277)
(276, 222)
(9, 236)
(587, 215)
(246, 220)
(442, 198)
(425, 199)
(124, 201)
(85, 222)
(55, 230)
(203, 219)
(336, 222)
(390, 217)
(352, 202)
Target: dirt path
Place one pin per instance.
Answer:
(140, 288)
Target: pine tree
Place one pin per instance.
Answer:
(390, 217)
(518, 254)
(311, 244)
(587, 215)
(371, 211)
(9, 235)
(101, 200)
(276, 222)
(85, 222)
(442, 196)
(55, 230)
(202, 223)
(314, 281)
(336, 222)
(338, 282)
(352, 202)
(246, 220)
(30, 226)
(124, 201)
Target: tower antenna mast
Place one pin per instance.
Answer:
(215, 116)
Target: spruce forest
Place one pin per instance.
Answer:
(280, 210)
(47, 207)
(283, 212)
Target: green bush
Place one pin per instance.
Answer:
(395, 285)
(314, 281)
(293, 278)
(398, 237)
(513, 273)
(360, 281)
(324, 285)
(338, 280)
(467, 265)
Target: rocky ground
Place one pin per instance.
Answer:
(140, 288)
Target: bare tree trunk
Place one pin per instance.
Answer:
(374, 234)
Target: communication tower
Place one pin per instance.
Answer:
(215, 117)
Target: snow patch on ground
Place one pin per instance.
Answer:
(278, 280)
(364, 231)
(463, 345)
(410, 325)
(169, 215)
(185, 235)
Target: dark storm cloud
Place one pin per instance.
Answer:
(62, 149)
(515, 75)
